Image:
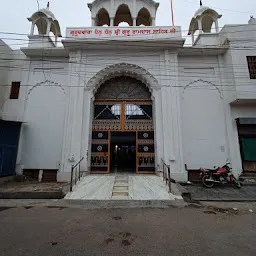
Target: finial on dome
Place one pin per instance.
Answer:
(48, 5)
(201, 4)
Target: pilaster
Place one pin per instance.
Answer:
(71, 152)
(173, 148)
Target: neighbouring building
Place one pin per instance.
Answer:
(126, 98)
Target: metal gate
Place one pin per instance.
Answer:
(122, 104)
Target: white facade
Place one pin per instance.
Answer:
(197, 92)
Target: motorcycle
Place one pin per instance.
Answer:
(220, 175)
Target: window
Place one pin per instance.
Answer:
(131, 109)
(251, 60)
(15, 90)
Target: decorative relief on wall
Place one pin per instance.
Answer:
(123, 88)
(105, 125)
(122, 69)
(46, 83)
(139, 125)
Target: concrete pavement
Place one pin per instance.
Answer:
(51, 231)
(221, 193)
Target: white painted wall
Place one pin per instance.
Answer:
(194, 120)
(6, 54)
(43, 127)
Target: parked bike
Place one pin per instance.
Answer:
(220, 175)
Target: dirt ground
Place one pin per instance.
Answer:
(30, 186)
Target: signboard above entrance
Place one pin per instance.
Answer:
(128, 32)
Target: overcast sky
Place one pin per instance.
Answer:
(70, 13)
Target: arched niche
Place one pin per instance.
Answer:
(143, 17)
(102, 18)
(123, 14)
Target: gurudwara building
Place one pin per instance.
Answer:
(127, 99)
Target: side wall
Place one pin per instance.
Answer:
(41, 109)
(207, 125)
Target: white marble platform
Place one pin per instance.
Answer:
(93, 187)
(140, 187)
(148, 187)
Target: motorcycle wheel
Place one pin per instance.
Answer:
(208, 184)
(236, 182)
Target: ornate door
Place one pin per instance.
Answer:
(122, 105)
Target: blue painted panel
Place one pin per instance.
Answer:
(9, 140)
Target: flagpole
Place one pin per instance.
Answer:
(172, 14)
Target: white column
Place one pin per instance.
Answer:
(158, 127)
(200, 26)
(134, 21)
(48, 28)
(93, 22)
(153, 23)
(193, 39)
(111, 21)
(217, 26)
(32, 28)
(87, 127)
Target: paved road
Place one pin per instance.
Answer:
(41, 231)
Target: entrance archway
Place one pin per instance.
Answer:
(122, 127)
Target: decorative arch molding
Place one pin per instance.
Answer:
(216, 87)
(46, 83)
(122, 69)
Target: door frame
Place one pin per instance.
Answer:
(123, 103)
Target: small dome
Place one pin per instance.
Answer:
(44, 11)
(46, 22)
(206, 10)
(206, 16)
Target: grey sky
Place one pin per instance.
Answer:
(76, 13)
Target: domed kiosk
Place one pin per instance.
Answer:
(203, 20)
(46, 23)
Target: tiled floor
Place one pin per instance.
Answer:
(137, 187)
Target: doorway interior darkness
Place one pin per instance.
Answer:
(123, 152)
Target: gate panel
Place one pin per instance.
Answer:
(100, 152)
(145, 152)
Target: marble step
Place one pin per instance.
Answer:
(120, 193)
(119, 184)
(122, 188)
(120, 198)
(121, 181)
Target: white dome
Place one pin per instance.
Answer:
(42, 19)
(48, 13)
(45, 11)
(203, 10)
(206, 16)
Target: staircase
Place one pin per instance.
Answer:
(121, 187)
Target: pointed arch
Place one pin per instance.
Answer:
(207, 22)
(45, 84)
(122, 69)
(143, 17)
(123, 14)
(206, 83)
(102, 18)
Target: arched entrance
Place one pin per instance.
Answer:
(122, 127)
